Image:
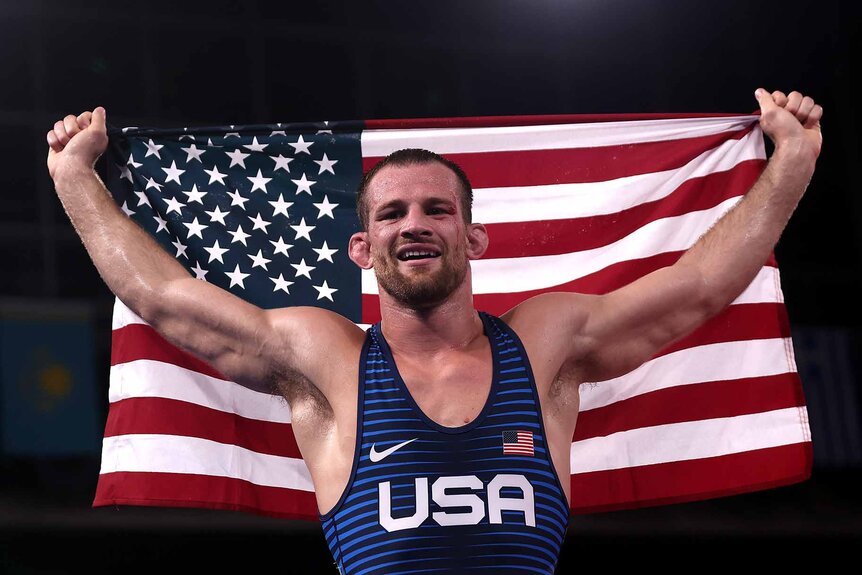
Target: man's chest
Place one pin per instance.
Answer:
(451, 391)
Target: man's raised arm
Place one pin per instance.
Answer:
(612, 334)
(249, 345)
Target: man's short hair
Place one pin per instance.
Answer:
(410, 157)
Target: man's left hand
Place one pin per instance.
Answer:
(790, 119)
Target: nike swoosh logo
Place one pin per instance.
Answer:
(376, 456)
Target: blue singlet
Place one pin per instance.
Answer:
(424, 498)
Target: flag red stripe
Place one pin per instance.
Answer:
(129, 343)
(701, 401)
(603, 281)
(187, 490)
(659, 484)
(579, 165)
(737, 323)
(140, 341)
(682, 481)
(537, 120)
(692, 403)
(666, 406)
(159, 415)
(549, 237)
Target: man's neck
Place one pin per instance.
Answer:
(453, 324)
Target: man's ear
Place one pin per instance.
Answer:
(477, 241)
(360, 250)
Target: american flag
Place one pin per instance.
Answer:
(518, 442)
(572, 203)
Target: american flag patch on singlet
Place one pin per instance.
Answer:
(518, 442)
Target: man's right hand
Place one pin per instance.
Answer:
(77, 141)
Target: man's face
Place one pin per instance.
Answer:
(417, 234)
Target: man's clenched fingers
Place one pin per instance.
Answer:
(794, 100)
(814, 116)
(71, 124)
(805, 108)
(779, 97)
(53, 142)
(64, 130)
(60, 133)
(85, 119)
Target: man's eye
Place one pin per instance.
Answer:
(389, 215)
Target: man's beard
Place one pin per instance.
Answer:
(421, 288)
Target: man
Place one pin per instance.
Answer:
(395, 425)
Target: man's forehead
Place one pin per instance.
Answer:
(431, 179)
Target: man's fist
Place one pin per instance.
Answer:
(791, 118)
(77, 141)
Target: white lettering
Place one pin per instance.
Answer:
(497, 504)
(450, 500)
(385, 503)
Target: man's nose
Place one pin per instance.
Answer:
(415, 224)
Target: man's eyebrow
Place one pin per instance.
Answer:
(399, 203)
(440, 200)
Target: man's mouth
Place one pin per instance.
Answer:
(408, 255)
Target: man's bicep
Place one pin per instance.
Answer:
(213, 325)
(626, 327)
(248, 345)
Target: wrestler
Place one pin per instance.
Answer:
(401, 426)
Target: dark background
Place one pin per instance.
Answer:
(196, 62)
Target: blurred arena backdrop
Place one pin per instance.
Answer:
(194, 63)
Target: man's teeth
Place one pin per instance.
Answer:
(418, 254)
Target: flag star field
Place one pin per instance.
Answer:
(264, 215)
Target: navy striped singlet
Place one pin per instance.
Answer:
(424, 498)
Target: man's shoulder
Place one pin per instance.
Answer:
(552, 328)
(550, 312)
(316, 328)
(321, 350)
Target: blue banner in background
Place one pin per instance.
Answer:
(48, 383)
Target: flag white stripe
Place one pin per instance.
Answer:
(510, 275)
(675, 233)
(565, 201)
(754, 358)
(690, 366)
(180, 454)
(149, 378)
(643, 446)
(123, 316)
(378, 143)
(764, 288)
(690, 440)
